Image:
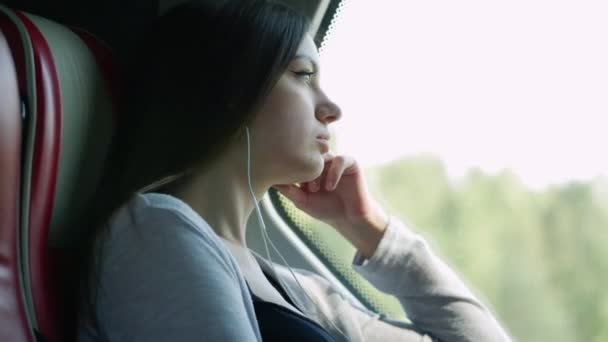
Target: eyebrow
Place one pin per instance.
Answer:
(310, 59)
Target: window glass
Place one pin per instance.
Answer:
(483, 125)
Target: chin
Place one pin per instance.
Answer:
(305, 169)
(316, 167)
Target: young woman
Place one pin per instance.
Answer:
(224, 101)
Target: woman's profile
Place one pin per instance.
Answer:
(223, 101)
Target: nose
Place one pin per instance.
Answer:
(327, 111)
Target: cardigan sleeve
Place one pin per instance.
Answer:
(439, 305)
(434, 297)
(165, 279)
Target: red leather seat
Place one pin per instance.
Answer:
(13, 321)
(64, 81)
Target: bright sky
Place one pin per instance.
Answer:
(520, 84)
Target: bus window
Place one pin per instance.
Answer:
(482, 124)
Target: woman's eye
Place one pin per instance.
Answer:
(305, 75)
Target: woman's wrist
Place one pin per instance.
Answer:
(365, 232)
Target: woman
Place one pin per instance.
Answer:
(224, 102)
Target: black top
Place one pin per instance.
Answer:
(278, 323)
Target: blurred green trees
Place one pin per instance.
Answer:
(539, 259)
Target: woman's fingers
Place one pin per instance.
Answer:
(313, 186)
(328, 156)
(332, 173)
(339, 165)
(293, 193)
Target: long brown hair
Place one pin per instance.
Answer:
(193, 82)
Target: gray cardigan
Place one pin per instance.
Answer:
(166, 276)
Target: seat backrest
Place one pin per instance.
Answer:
(69, 95)
(13, 319)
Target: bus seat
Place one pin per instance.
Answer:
(67, 85)
(13, 320)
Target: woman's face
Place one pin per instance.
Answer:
(285, 132)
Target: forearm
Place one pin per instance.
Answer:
(433, 296)
(364, 231)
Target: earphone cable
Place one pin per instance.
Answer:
(265, 237)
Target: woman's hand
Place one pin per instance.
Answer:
(340, 198)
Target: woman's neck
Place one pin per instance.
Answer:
(221, 196)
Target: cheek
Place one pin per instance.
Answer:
(294, 161)
(287, 120)
(289, 114)
(296, 151)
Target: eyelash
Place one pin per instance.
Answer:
(304, 73)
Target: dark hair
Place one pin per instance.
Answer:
(193, 82)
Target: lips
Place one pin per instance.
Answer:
(323, 136)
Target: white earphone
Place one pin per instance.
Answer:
(267, 240)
